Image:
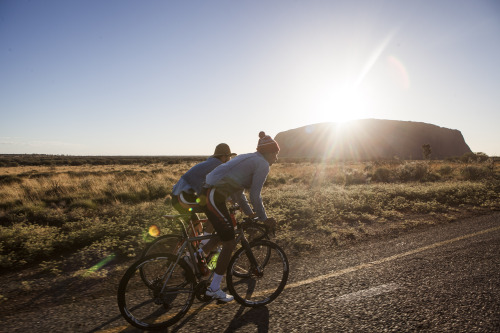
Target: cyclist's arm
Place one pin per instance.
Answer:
(258, 179)
(241, 199)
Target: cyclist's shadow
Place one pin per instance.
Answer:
(256, 316)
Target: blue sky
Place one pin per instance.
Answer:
(179, 77)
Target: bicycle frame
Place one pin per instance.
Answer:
(189, 241)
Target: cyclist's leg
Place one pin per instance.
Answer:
(211, 244)
(185, 203)
(224, 256)
(218, 214)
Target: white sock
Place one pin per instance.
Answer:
(215, 285)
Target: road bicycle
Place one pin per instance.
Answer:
(159, 288)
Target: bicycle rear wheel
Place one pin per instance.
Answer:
(162, 302)
(164, 244)
(256, 286)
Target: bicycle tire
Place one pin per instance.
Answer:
(252, 288)
(161, 304)
(169, 243)
(254, 232)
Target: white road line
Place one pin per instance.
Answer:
(384, 260)
(375, 291)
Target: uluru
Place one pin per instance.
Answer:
(370, 139)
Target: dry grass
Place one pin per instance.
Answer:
(77, 215)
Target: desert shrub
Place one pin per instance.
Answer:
(432, 177)
(427, 207)
(413, 171)
(8, 205)
(473, 172)
(156, 190)
(51, 266)
(383, 175)
(474, 157)
(275, 181)
(98, 250)
(23, 243)
(445, 170)
(399, 203)
(353, 177)
(9, 179)
(83, 203)
(36, 214)
(30, 193)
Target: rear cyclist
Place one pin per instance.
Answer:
(189, 186)
(186, 190)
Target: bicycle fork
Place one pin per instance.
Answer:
(255, 268)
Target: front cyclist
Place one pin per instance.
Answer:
(247, 171)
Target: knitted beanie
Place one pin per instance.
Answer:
(267, 144)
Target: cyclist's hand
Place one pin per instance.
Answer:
(270, 224)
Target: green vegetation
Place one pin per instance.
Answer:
(14, 160)
(69, 217)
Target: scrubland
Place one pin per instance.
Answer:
(82, 220)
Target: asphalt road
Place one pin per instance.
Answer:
(442, 279)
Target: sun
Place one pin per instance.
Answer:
(344, 104)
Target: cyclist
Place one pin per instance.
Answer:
(247, 171)
(186, 190)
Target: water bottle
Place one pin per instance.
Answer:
(213, 261)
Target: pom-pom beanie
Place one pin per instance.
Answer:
(267, 144)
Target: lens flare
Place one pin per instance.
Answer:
(401, 72)
(100, 264)
(154, 230)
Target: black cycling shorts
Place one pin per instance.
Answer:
(218, 215)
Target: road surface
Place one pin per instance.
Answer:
(445, 278)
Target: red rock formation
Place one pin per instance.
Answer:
(369, 139)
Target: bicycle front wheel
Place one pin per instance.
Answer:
(161, 303)
(253, 233)
(256, 286)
